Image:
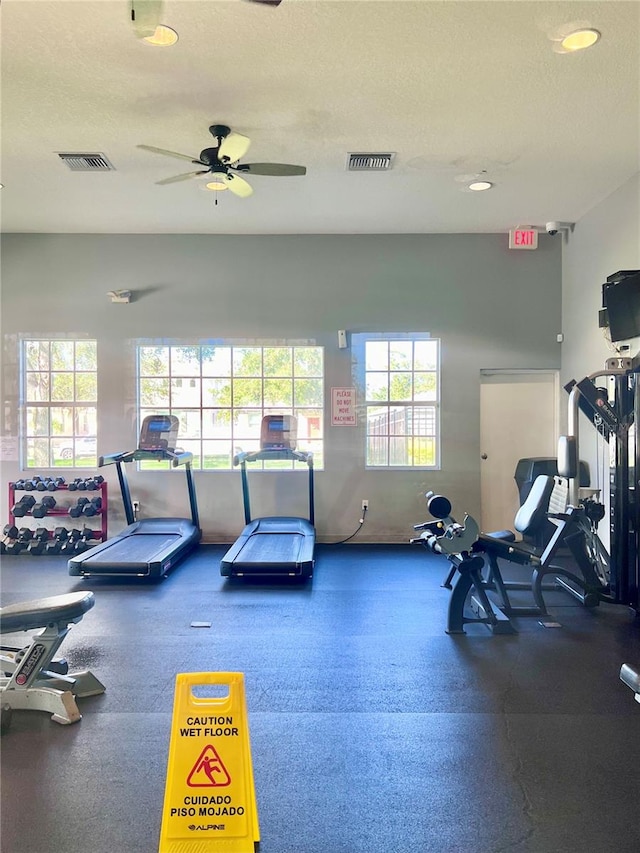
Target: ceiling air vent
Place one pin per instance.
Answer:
(369, 162)
(86, 162)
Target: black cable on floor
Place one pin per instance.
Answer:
(355, 532)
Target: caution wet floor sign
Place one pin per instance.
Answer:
(209, 801)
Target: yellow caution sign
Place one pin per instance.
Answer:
(209, 800)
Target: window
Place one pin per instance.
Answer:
(402, 392)
(220, 394)
(59, 393)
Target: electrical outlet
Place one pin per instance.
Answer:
(365, 504)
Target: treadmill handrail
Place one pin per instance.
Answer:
(274, 453)
(253, 456)
(177, 458)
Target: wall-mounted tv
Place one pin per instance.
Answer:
(621, 298)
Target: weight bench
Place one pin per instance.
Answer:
(30, 679)
(631, 678)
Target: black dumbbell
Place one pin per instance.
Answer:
(52, 484)
(75, 511)
(82, 544)
(59, 536)
(9, 534)
(19, 544)
(18, 485)
(39, 542)
(68, 546)
(30, 485)
(73, 486)
(94, 483)
(40, 510)
(23, 506)
(93, 507)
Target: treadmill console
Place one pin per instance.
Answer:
(159, 433)
(278, 432)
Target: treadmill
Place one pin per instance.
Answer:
(148, 548)
(275, 546)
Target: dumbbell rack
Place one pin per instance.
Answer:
(59, 510)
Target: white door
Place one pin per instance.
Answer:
(518, 419)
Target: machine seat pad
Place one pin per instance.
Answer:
(40, 612)
(504, 535)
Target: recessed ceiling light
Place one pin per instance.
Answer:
(479, 186)
(580, 39)
(163, 37)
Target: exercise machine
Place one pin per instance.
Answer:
(479, 591)
(613, 408)
(148, 548)
(275, 546)
(31, 679)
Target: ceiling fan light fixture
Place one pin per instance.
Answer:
(163, 37)
(479, 186)
(580, 39)
(215, 186)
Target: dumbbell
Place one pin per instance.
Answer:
(21, 542)
(39, 542)
(82, 544)
(59, 536)
(72, 487)
(93, 483)
(9, 534)
(41, 509)
(37, 483)
(54, 483)
(76, 510)
(18, 485)
(93, 507)
(23, 506)
(68, 546)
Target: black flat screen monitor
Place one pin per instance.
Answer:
(622, 301)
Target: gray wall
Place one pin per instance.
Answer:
(606, 240)
(491, 308)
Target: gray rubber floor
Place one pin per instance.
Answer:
(372, 730)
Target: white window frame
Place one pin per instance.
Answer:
(69, 448)
(193, 417)
(431, 407)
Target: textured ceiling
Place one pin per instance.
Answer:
(454, 88)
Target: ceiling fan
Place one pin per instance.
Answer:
(146, 15)
(221, 162)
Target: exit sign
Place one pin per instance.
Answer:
(523, 238)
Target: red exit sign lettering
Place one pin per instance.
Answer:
(523, 238)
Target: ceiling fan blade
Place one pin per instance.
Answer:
(238, 185)
(155, 150)
(182, 177)
(145, 17)
(272, 169)
(233, 147)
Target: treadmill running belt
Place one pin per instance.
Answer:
(274, 546)
(135, 551)
(282, 549)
